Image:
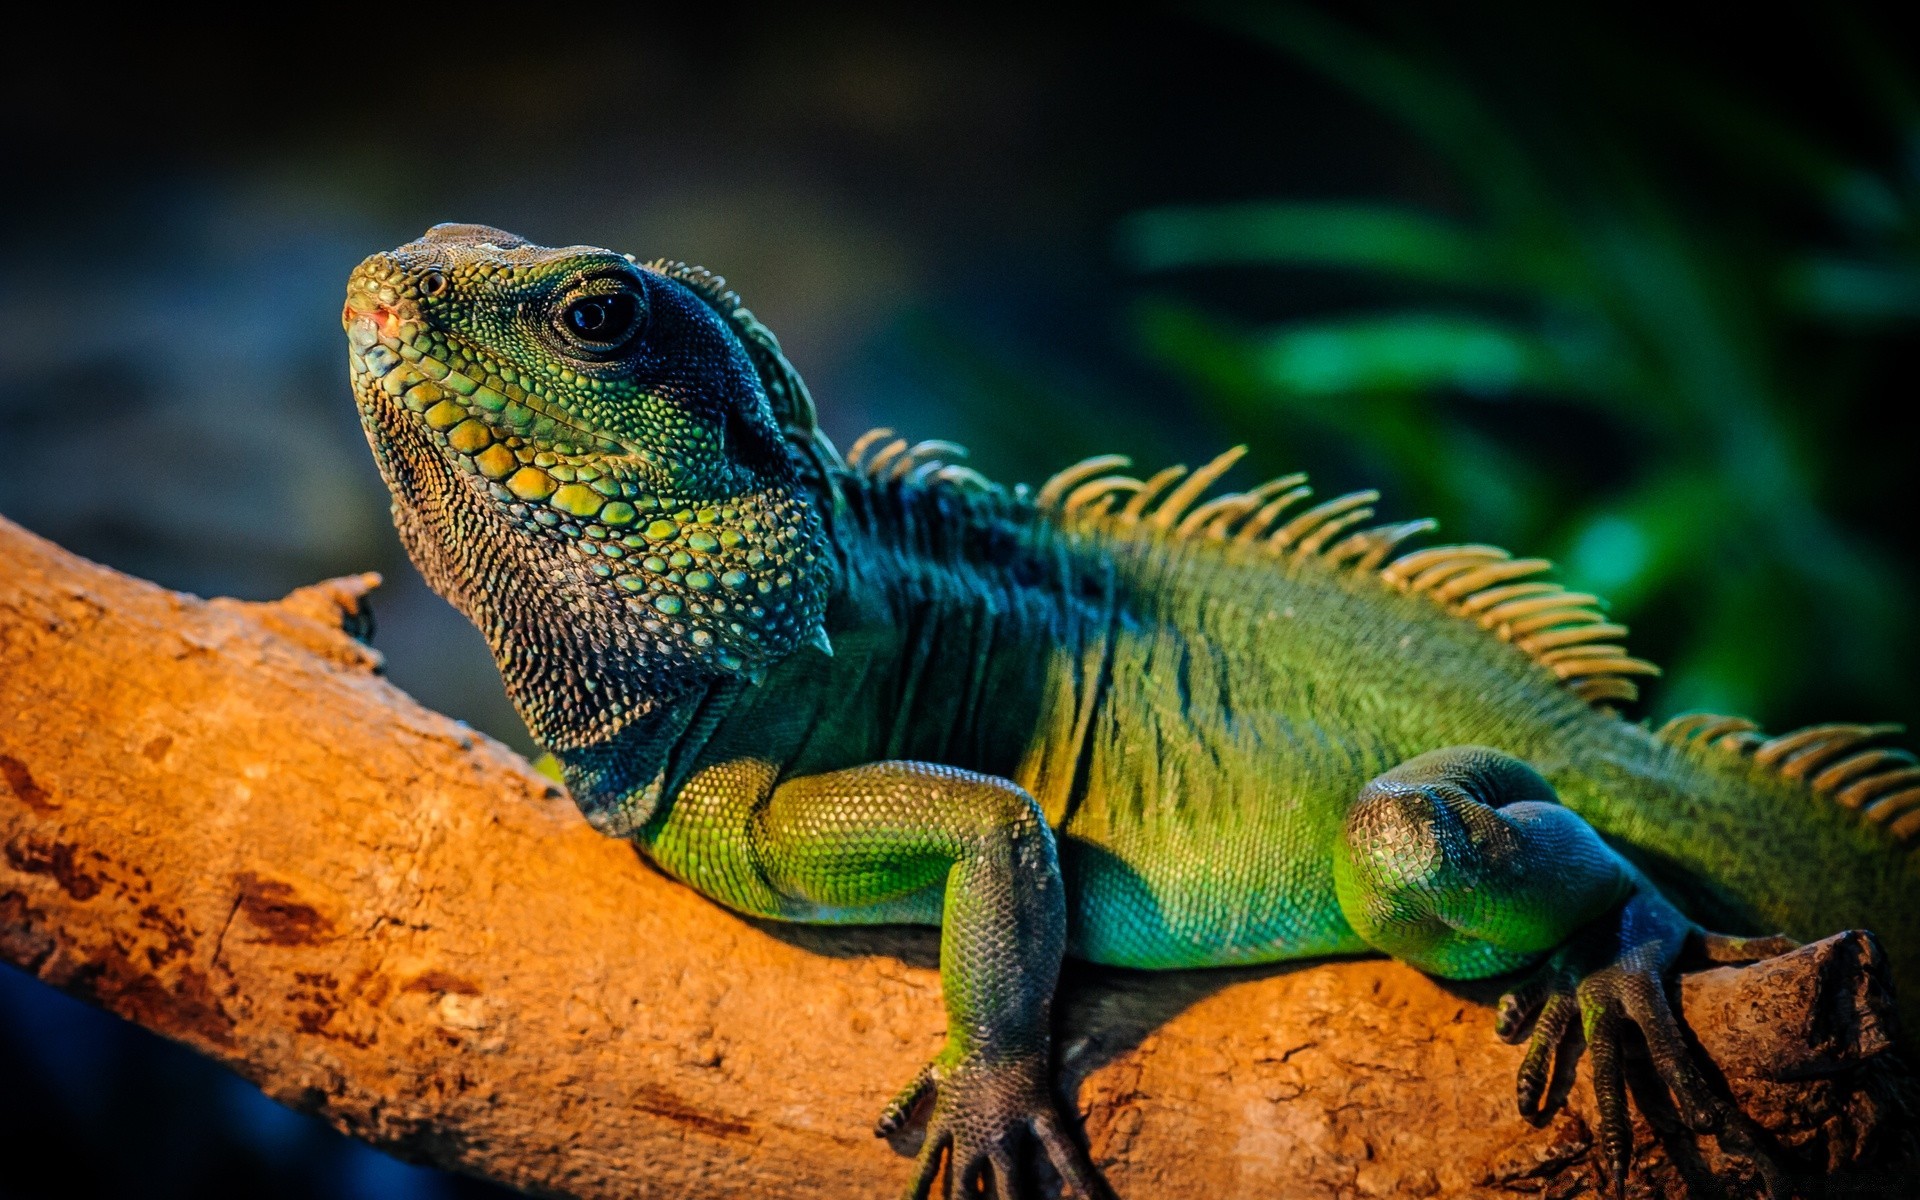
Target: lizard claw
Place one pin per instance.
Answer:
(1547, 1002)
(900, 1109)
(982, 1110)
(1613, 976)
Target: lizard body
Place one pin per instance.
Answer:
(1139, 721)
(1169, 704)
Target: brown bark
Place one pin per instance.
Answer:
(220, 822)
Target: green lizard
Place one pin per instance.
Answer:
(1124, 719)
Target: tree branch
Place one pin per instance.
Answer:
(220, 822)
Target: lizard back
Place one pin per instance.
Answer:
(1196, 710)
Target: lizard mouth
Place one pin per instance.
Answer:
(374, 331)
(362, 308)
(394, 371)
(371, 321)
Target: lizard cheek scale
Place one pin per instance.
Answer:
(1125, 718)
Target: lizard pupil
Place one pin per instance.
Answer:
(602, 320)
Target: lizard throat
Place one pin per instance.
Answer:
(601, 594)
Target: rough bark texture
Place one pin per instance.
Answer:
(217, 820)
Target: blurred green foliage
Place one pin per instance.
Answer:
(1636, 327)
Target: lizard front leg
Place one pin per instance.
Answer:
(878, 835)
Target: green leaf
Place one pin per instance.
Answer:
(1738, 126)
(1397, 353)
(1647, 537)
(1847, 290)
(1360, 237)
(1411, 352)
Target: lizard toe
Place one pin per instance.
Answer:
(982, 1111)
(901, 1108)
(1543, 1048)
(1618, 998)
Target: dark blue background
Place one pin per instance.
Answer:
(926, 211)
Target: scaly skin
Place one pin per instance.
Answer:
(892, 694)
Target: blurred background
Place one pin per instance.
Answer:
(1636, 290)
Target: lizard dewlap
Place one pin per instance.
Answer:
(1146, 721)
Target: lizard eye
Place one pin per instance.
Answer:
(601, 323)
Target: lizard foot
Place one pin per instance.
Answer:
(982, 1110)
(1613, 976)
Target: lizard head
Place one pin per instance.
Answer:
(584, 458)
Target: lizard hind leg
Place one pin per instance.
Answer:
(1462, 863)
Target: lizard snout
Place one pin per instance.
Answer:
(377, 303)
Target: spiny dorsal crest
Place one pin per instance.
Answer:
(1842, 763)
(879, 457)
(1565, 632)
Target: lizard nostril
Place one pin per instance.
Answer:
(432, 283)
